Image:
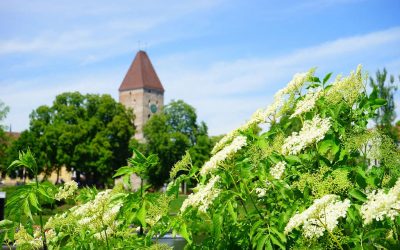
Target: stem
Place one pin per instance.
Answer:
(252, 201)
(105, 229)
(40, 215)
(141, 199)
(237, 189)
(331, 235)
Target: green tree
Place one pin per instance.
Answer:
(25, 142)
(172, 132)
(89, 134)
(385, 90)
(3, 136)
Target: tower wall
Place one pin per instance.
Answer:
(140, 100)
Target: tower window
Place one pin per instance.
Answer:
(149, 101)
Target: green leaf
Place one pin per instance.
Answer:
(27, 209)
(255, 227)
(217, 226)
(326, 78)
(25, 160)
(6, 224)
(141, 214)
(380, 101)
(261, 242)
(34, 201)
(276, 241)
(123, 171)
(375, 233)
(232, 211)
(184, 233)
(361, 181)
(357, 194)
(279, 234)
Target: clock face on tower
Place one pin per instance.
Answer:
(153, 108)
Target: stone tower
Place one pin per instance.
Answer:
(142, 91)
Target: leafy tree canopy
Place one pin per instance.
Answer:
(87, 133)
(3, 137)
(172, 132)
(385, 90)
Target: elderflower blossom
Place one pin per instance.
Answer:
(203, 197)
(295, 84)
(67, 190)
(222, 155)
(322, 215)
(261, 192)
(380, 204)
(374, 146)
(261, 115)
(92, 216)
(258, 117)
(346, 89)
(24, 239)
(277, 170)
(312, 131)
(307, 103)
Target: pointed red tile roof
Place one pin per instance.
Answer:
(141, 74)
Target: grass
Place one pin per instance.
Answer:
(176, 204)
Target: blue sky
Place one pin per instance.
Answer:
(225, 58)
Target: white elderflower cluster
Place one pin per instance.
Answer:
(67, 190)
(222, 155)
(374, 145)
(258, 117)
(204, 197)
(322, 215)
(295, 84)
(307, 103)
(24, 240)
(346, 89)
(312, 131)
(93, 216)
(261, 192)
(261, 115)
(381, 205)
(277, 170)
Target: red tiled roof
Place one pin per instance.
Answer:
(141, 74)
(14, 135)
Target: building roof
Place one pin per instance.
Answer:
(141, 74)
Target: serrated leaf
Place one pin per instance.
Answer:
(261, 242)
(141, 214)
(361, 181)
(34, 202)
(380, 101)
(217, 226)
(357, 194)
(27, 209)
(184, 233)
(232, 211)
(279, 234)
(326, 78)
(276, 241)
(375, 233)
(123, 171)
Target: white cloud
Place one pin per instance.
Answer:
(225, 93)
